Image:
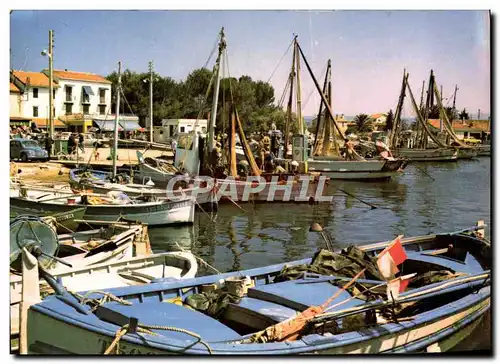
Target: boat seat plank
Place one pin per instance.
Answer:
(451, 264)
(257, 313)
(169, 314)
(299, 296)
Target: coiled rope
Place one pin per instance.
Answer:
(146, 329)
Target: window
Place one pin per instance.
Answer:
(53, 94)
(102, 109)
(102, 95)
(86, 109)
(69, 93)
(182, 129)
(69, 109)
(35, 111)
(171, 130)
(35, 93)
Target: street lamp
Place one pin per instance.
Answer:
(50, 55)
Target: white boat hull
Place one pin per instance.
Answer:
(356, 170)
(427, 155)
(110, 274)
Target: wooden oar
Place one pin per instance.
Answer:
(290, 329)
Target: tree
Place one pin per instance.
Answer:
(254, 100)
(363, 123)
(389, 124)
(464, 115)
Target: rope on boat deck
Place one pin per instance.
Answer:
(146, 329)
(84, 299)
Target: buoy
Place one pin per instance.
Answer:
(316, 227)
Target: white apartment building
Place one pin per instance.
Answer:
(33, 99)
(81, 98)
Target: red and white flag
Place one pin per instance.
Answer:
(389, 259)
(398, 285)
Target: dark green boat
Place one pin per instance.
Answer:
(64, 220)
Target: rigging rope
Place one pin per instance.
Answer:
(213, 51)
(287, 50)
(123, 94)
(323, 71)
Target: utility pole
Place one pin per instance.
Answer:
(213, 115)
(115, 140)
(151, 101)
(51, 87)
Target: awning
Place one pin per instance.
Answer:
(43, 123)
(88, 90)
(130, 125)
(105, 125)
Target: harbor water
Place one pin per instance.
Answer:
(427, 198)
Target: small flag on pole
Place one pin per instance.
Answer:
(389, 259)
(398, 285)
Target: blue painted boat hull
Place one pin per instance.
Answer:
(457, 304)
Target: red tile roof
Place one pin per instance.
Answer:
(376, 116)
(80, 76)
(472, 125)
(34, 79)
(14, 88)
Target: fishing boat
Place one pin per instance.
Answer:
(357, 170)
(467, 152)
(310, 306)
(484, 150)
(198, 156)
(104, 182)
(446, 145)
(64, 222)
(91, 259)
(110, 207)
(428, 154)
(422, 152)
(326, 157)
(99, 182)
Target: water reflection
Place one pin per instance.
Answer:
(456, 197)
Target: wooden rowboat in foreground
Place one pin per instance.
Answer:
(449, 293)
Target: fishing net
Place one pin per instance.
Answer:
(212, 303)
(347, 263)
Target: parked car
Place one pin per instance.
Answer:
(26, 149)
(90, 140)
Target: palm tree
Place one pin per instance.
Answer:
(362, 122)
(464, 115)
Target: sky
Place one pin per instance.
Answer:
(369, 49)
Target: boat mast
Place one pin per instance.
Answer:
(115, 139)
(397, 116)
(454, 99)
(299, 100)
(213, 115)
(323, 97)
(290, 101)
(318, 119)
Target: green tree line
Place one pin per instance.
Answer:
(254, 100)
